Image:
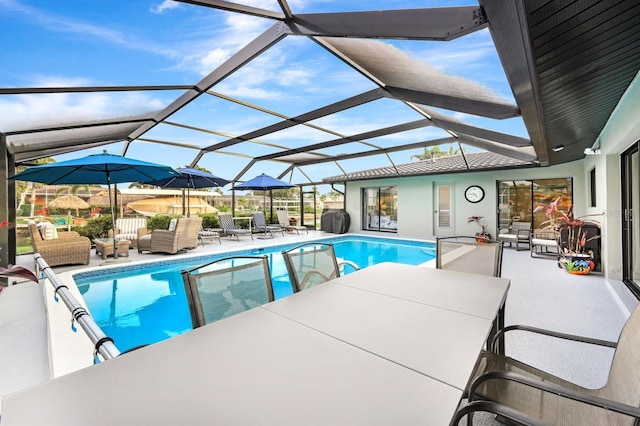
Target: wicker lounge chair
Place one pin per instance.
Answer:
(283, 221)
(542, 396)
(226, 287)
(183, 237)
(310, 264)
(229, 228)
(67, 248)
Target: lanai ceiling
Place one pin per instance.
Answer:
(377, 98)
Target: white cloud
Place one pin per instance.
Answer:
(34, 110)
(165, 5)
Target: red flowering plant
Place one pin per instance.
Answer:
(3, 223)
(483, 235)
(559, 221)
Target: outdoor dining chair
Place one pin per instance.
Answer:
(311, 263)
(467, 254)
(542, 397)
(226, 287)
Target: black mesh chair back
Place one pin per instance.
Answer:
(226, 287)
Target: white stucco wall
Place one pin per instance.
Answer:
(416, 200)
(622, 130)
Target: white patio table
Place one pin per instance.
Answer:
(334, 354)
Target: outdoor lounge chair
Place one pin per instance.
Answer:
(226, 287)
(552, 400)
(544, 243)
(229, 228)
(283, 221)
(261, 223)
(467, 254)
(208, 234)
(310, 264)
(183, 237)
(518, 233)
(130, 228)
(59, 248)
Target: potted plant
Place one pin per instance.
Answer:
(573, 238)
(483, 235)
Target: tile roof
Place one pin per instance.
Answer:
(439, 165)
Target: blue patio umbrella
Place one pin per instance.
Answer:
(100, 169)
(263, 182)
(190, 179)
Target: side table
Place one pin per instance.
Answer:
(104, 247)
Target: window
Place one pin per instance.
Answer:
(592, 187)
(380, 209)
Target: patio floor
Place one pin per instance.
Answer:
(541, 295)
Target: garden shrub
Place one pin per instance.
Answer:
(160, 221)
(98, 227)
(209, 220)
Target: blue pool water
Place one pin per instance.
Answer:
(143, 304)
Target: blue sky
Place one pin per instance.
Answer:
(123, 43)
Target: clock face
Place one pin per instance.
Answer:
(474, 194)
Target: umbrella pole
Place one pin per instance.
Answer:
(264, 206)
(113, 221)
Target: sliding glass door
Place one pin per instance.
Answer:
(517, 200)
(631, 219)
(380, 208)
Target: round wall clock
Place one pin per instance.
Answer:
(474, 194)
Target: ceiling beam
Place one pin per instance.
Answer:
(85, 125)
(87, 89)
(455, 103)
(380, 151)
(268, 38)
(351, 139)
(492, 147)
(236, 7)
(509, 30)
(342, 105)
(451, 124)
(443, 24)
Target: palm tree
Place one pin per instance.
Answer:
(23, 188)
(435, 152)
(429, 152)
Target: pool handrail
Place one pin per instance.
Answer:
(102, 343)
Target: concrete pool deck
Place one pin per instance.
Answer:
(540, 295)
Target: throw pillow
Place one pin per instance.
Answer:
(48, 231)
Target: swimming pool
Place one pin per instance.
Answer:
(146, 303)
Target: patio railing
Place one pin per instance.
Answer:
(102, 343)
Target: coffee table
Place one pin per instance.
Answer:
(104, 247)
